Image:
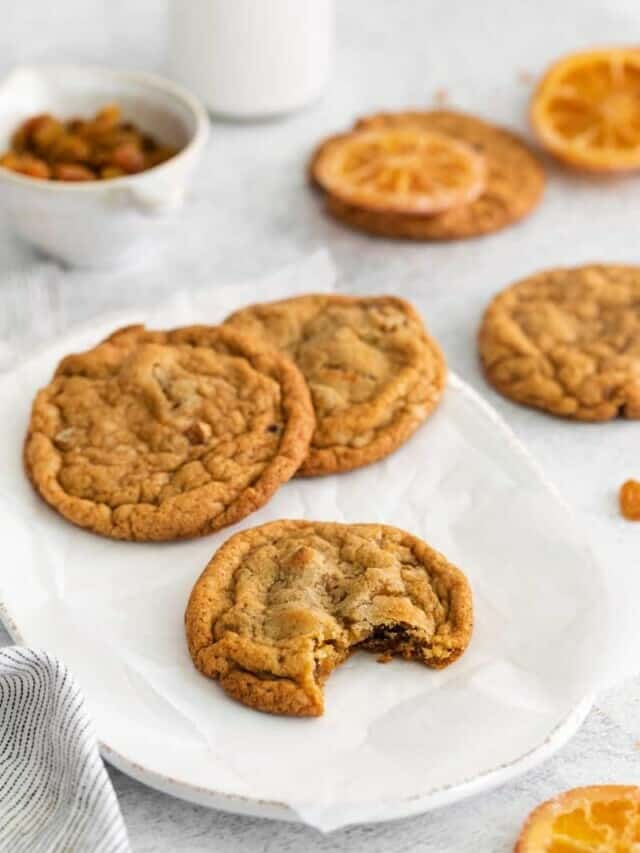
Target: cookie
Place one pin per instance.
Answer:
(568, 341)
(514, 182)
(373, 372)
(165, 435)
(280, 606)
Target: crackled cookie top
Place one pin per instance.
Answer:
(373, 372)
(513, 185)
(162, 435)
(568, 341)
(280, 606)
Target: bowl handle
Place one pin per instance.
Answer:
(156, 205)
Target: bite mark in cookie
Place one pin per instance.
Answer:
(280, 606)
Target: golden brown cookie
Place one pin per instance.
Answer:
(568, 341)
(280, 606)
(373, 372)
(514, 181)
(164, 435)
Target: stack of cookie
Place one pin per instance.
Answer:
(437, 175)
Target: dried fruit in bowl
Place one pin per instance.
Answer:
(630, 500)
(79, 149)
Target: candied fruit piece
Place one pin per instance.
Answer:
(72, 172)
(107, 172)
(158, 154)
(630, 500)
(70, 149)
(107, 117)
(128, 157)
(25, 131)
(593, 819)
(47, 134)
(26, 164)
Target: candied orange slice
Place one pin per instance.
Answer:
(400, 170)
(586, 110)
(597, 819)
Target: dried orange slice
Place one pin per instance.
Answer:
(597, 819)
(586, 110)
(400, 170)
(630, 500)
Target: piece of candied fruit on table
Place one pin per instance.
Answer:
(593, 819)
(630, 500)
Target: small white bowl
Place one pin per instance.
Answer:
(99, 223)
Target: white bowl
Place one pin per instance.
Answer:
(99, 223)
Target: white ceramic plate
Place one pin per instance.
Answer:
(394, 740)
(243, 805)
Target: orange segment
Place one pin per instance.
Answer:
(401, 170)
(586, 110)
(597, 819)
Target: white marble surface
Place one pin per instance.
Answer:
(250, 211)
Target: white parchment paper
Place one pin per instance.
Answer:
(113, 611)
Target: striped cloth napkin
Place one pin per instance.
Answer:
(55, 794)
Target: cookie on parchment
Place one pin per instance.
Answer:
(165, 435)
(373, 371)
(514, 181)
(280, 606)
(568, 341)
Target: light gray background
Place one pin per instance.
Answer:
(250, 211)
